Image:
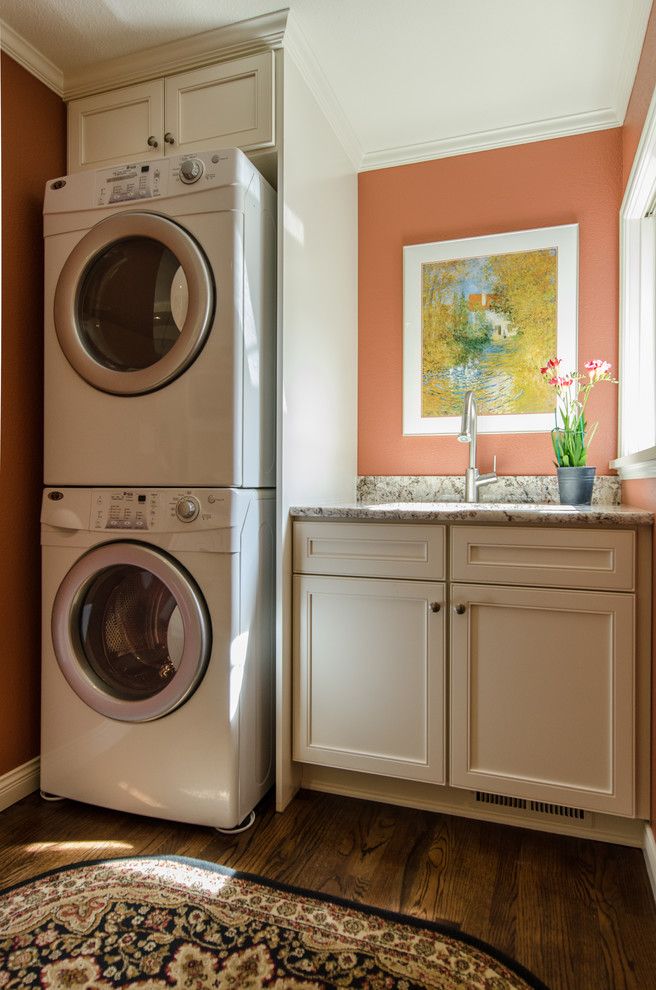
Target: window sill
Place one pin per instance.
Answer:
(642, 464)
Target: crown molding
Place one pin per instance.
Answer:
(635, 37)
(502, 137)
(224, 43)
(296, 45)
(31, 59)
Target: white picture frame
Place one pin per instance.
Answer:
(565, 240)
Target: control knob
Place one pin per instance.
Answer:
(191, 170)
(187, 508)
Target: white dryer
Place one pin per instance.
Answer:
(160, 324)
(158, 650)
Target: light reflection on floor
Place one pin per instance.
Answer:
(107, 844)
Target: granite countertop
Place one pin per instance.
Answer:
(526, 513)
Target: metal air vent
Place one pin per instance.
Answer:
(534, 807)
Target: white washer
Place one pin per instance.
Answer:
(158, 650)
(160, 324)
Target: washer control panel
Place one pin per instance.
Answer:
(159, 510)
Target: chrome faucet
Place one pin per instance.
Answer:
(473, 480)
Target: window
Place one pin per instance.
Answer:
(637, 411)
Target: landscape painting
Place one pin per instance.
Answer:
(487, 322)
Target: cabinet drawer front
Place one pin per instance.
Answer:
(571, 558)
(369, 675)
(370, 550)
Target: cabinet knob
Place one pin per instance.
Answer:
(152, 142)
(461, 609)
(168, 137)
(435, 606)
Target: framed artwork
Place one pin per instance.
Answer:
(484, 313)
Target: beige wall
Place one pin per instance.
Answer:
(33, 150)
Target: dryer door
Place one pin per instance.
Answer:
(134, 303)
(131, 631)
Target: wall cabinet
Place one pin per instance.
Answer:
(542, 658)
(230, 104)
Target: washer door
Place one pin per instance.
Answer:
(134, 303)
(131, 632)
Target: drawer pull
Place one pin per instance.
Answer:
(435, 606)
(461, 609)
(152, 141)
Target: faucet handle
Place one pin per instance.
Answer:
(488, 479)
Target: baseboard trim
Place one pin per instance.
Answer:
(448, 800)
(649, 850)
(20, 782)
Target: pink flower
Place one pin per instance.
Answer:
(554, 362)
(566, 382)
(555, 381)
(543, 371)
(597, 369)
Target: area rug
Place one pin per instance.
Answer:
(169, 923)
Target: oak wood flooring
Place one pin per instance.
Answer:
(579, 914)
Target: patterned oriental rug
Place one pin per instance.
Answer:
(168, 923)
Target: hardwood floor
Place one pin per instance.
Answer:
(579, 914)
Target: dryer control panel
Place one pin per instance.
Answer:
(159, 510)
(142, 181)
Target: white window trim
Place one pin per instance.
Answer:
(637, 302)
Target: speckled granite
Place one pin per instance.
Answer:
(607, 516)
(449, 488)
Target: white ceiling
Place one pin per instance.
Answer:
(410, 79)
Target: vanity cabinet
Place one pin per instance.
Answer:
(369, 649)
(230, 104)
(542, 628)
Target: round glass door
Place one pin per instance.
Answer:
(131, 632)
(134, 303)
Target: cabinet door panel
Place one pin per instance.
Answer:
(222, 106)
(542, 695)
(369, 676)
(114, 127)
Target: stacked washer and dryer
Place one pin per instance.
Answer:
(158, 533)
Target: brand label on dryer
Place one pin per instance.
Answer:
(127, 183)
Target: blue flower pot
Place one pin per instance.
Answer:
(575, 485)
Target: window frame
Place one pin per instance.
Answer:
(637, 338)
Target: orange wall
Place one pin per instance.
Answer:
(643, 493)
(641, 94)
(567, 180)
(33, 150)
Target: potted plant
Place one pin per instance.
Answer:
(572, 438)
